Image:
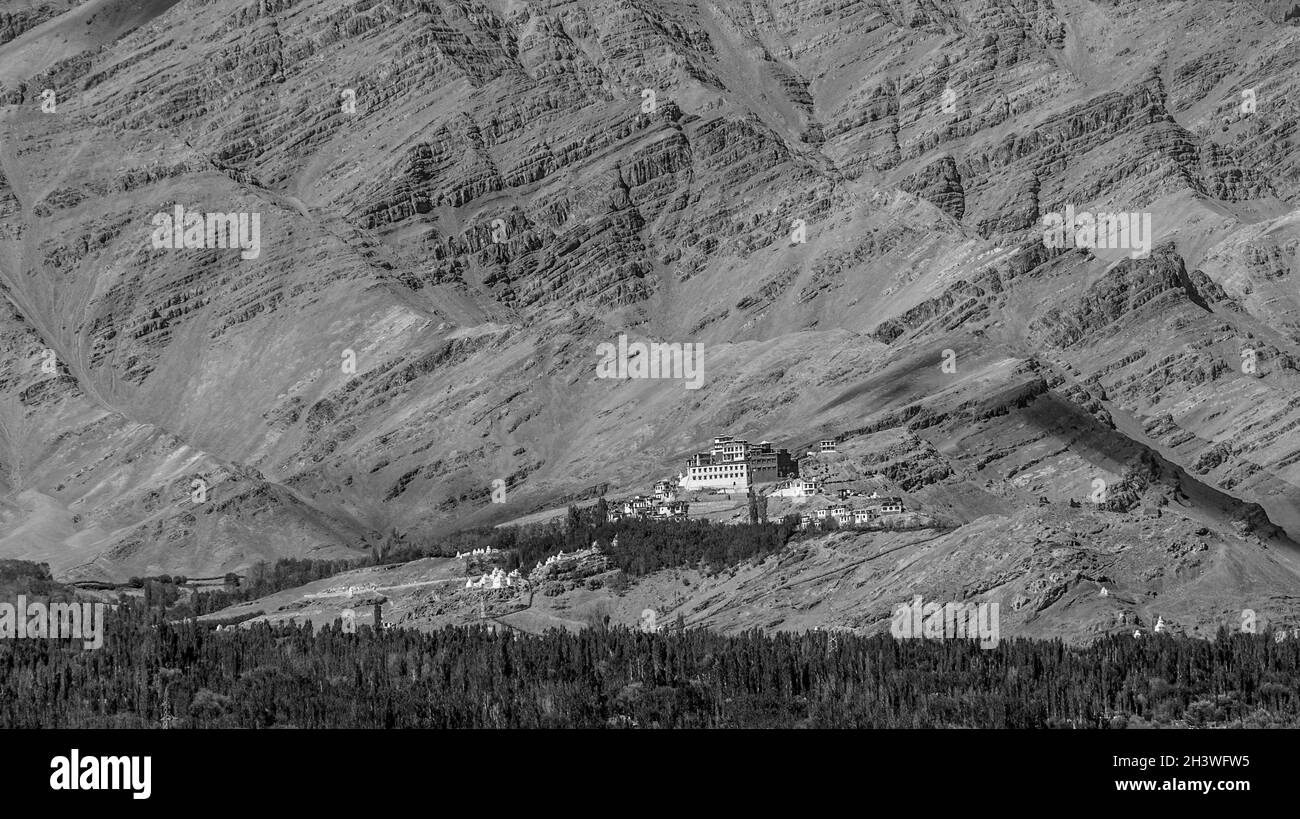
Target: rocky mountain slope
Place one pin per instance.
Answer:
(459, 200)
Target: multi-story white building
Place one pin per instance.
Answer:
(727, 448)
(734, 476)
(665, 490)
(735, 465)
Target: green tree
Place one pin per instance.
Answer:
(208, 706)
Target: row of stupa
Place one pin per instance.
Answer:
(496, 579)
(478, 552)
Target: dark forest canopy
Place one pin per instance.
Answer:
(291, 676)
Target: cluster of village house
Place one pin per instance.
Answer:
(737, 466)
(663, 505)
(844, 516)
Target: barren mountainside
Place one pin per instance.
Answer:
(460, 200)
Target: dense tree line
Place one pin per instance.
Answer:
(288, 675)
(640, 546)
(648, 546)
(32, 579)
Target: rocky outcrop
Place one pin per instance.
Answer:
(1127, 288)
(940, 183)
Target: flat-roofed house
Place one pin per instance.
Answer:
(672, 509)
(797, 488)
